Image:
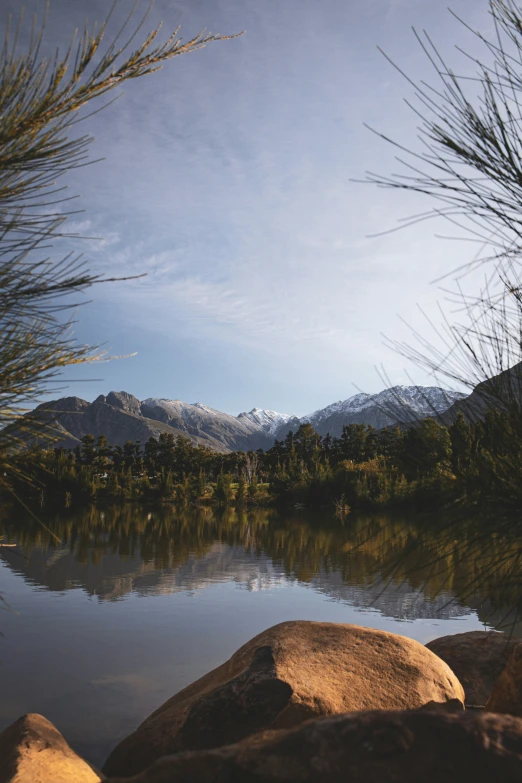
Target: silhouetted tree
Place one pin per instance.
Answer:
(40, 105)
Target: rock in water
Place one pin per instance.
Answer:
(477, 658)
(286, 675)
(32, 750)
(363, 747)
(507, 692)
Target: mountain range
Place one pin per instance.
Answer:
(399, 404)
(122, 417)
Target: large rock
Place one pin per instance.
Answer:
(286, 675)
(32, 750)
(507, 693)
(364, 747)
(477, 658)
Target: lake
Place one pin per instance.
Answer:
(109, 612)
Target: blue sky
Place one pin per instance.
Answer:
(227, 178)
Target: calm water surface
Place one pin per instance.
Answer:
(127, 605)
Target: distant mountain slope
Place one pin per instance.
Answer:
(117, 416)
(208, 426)
(268, 421)
(501, 389)
(399, 404)
(122, 417)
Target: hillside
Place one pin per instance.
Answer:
(122, 417)
(498, 392)
(399, 404)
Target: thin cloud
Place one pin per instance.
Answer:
(227, 181)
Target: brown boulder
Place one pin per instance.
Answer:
(32, 750)
(453, 705)
(477, 658)
(507, 692)
(364, 747)
(286, 675)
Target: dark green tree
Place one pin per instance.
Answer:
(41, 103)
(223, 490)
(426, 448)
(88, 449)
(461, 436)
(241, 494)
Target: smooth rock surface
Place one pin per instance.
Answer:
(507, 693)
(478, 659)
(32, 750)
(290, 673)
(365, 747)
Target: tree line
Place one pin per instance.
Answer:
(364, 467)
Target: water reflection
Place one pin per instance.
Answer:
(114, 611)
(407, 568)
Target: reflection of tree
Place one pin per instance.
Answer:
(480, 568)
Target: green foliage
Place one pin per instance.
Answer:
(426, 449)
(223, 491)
(425, 465)
(88, 450)
(469, 166)
(253, 490)
(469, 159)
(41, 102)
(241, 493)
(488, 456)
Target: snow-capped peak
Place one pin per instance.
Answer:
(176, 405)
(398, 403)
(352, 405)
(267, 420)
(257, 419)
(160, 402)
(205, 408)
(387, 408)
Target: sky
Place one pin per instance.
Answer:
(229, 178)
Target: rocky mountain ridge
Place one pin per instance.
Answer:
(121, 417)
(398, 404)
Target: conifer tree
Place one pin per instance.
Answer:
(88, 449)
(469, 166)
(241, 493)
(41, 102)
(461, 445)
(223, 489)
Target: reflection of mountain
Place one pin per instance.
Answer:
(400, 601)
(111, 554)
(222, 563)
(60, 570)
(113, 578)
